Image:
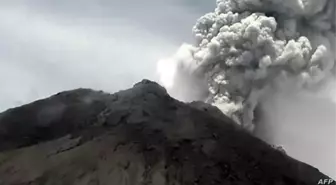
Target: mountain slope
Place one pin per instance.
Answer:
(137, 136)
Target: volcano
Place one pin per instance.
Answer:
(134, 137)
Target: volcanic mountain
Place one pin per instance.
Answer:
(139, 136)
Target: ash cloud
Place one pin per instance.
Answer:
(247, 50)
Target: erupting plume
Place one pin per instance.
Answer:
(246, 49)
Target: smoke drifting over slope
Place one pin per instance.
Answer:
(246, 50)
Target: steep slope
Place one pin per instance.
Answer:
(137, 136)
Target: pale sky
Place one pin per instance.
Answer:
(48, 46)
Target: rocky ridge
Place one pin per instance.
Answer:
(139, 136)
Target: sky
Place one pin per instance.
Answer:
(49, 46)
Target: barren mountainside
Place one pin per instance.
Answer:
(140, 136)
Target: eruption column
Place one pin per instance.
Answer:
(247, 49)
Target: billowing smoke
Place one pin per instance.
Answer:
(246, 50)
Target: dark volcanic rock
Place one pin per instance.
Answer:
(139, 136)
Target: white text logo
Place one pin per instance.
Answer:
(325, 181)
